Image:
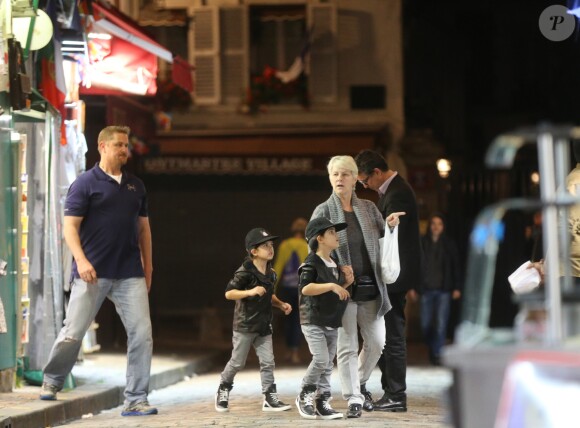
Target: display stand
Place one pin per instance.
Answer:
(481, 354)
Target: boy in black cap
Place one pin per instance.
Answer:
(252, 288)
(323, 300)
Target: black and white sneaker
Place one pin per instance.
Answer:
(323, 408)
(271, 401)
(368, 404)
(305, 402)
(354, 411)
(222, 397)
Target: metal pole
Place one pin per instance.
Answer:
(562, 166)
(551, 247)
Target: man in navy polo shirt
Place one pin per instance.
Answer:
(107, 230)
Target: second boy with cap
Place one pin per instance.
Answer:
(323, 299)
(252, 288)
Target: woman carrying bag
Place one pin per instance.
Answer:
(359, 249)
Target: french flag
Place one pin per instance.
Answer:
(299, 64)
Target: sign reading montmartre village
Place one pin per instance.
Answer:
(229, 165)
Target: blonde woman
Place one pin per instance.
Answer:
(369, 302)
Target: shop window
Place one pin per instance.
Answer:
(276, 36)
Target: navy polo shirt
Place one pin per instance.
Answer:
(109, 231)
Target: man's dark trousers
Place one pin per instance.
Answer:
(393, 361)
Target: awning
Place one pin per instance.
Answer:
(122, 58)
(117, 66)
(151, 15)
(113, 22)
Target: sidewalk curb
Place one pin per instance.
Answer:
(91, 398)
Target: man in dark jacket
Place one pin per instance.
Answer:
(395, 195)
(441, 283)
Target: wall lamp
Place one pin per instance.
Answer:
(444, 167)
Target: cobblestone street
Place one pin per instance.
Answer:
(190, 403)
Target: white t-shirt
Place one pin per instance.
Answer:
(117, 178)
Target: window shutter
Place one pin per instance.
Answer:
(204, 42)
(234, 53)
(323, 73)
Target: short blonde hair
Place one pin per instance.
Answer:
(344, 162)
(107, 133)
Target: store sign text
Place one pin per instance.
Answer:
(228, 165)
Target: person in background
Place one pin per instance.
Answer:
(106, 227)
(290, 255)
(395, 195)
(323, 299)
(534, 240)
(441, 283)
(252, 288)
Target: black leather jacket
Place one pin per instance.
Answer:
(326, 309)
(253, 314)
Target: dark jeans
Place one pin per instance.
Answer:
(435, 306)
(393, 361)
(292, 328)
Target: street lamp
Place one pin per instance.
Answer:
(444, 167)
(443, 186)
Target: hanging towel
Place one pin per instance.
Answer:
(3, 328)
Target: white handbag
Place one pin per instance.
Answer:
(390, 262)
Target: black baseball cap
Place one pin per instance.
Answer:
(319, 225)
(258, 236)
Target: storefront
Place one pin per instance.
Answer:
(207, 188)
(31, 196)
(32, 188)
(42, 150)
(8, 253)
(41, 218)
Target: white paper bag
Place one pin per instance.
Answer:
(390, 263)
(524, 279)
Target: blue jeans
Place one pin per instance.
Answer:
(132, 303)
(435, 305)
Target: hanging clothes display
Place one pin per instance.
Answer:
(73, 163)
(44, 240)
(3, 328)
